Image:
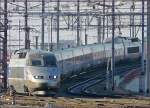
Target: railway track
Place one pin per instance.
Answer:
(80, 88)
(85, 80)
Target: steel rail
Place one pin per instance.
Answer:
(82, 86)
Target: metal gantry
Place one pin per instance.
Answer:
(77, 15)
(78, 23)
(58, 19)
(113, 44)
(3, 40)
(43, 25)
(27, 29)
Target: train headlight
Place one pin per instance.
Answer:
(1, 76)
(36, 77)
(53, 77)
(39, 77)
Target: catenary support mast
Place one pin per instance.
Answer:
(103, 20)
(148, 48)
(141, 80)
(58, 12)
(113, 46)
(43, 28)
(5, 45)
(27, 40)
(78, 23)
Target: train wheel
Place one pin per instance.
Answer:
(30, 92)
(26, 89)
(11, 90)
(1, 89)
(53, 95)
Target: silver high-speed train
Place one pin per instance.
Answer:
(34, 71)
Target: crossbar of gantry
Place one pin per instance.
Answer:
(68, 0)
(75, 13)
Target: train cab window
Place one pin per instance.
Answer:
(49, 61)
(36, 63)
(22, 55)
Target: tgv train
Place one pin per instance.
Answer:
(37, 71)
(33, 72)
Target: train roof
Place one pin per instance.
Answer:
(120, 39)
(80, 47)
(31, 51)
(23, 52)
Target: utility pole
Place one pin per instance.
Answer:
(142, 74)
(19, 33)
(107, 26)
(132, 19)
(130, 23)
(68, 22)
(72, 23)
(148, 48)
(103, 21)
(36, 42)
(51, 33)
(27, 30)
(43, 28)
(48, 37)
(99, 30)
(58, 12)
(4, 66)
(78, 23)
(113, 46)
(86, 33)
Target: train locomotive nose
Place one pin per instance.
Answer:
(44, 79)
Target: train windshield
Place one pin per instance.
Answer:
(49, 61)
(44, 60)
(36, 62)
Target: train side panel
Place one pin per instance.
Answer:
(119, 52)
(68, 61)
(98, 54)
(108, 51)
(133, 51)
(16, 74)
(78, 57)
(87, 57)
